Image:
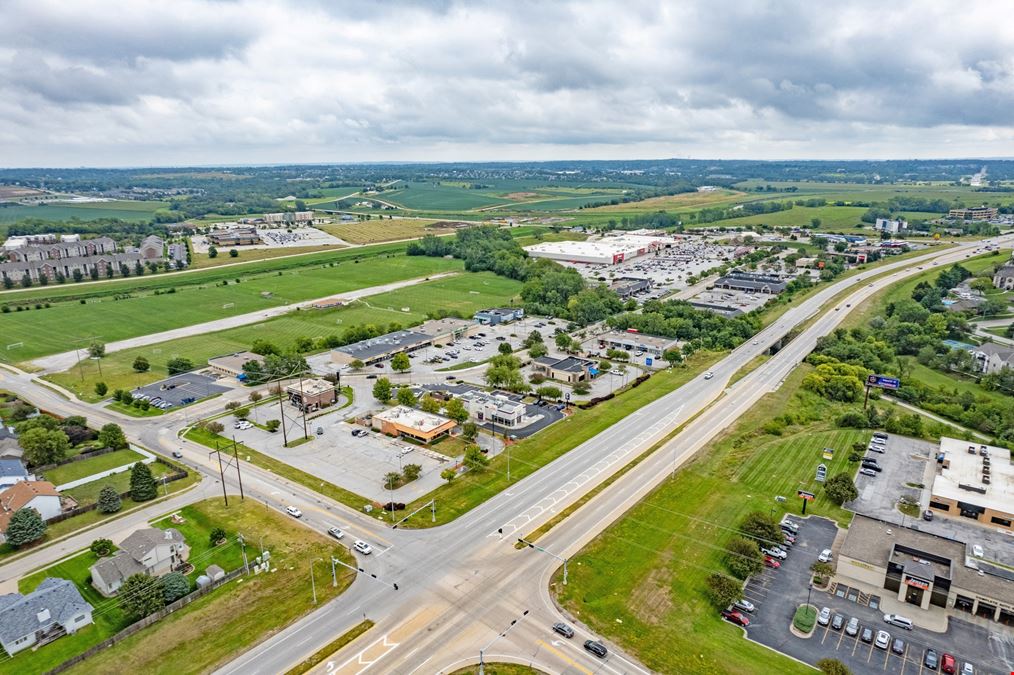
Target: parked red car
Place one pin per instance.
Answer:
(771, 562)
(732, 616)
(948, 664)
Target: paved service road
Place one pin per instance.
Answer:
(463, 583)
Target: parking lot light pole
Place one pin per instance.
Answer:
(809, 589)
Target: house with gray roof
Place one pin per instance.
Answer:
(149, 551)
(992, 358)
(52, 610)
(12, 470)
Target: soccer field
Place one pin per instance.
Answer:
(67, 325)
(464, 293)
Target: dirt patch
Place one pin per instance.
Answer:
(15, 192)
(520, 195)
(651, 601)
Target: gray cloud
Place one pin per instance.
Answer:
(216, 81)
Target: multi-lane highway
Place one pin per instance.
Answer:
(461, 584)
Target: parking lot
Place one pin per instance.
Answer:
(181, 389)
(537, 417)
(740, 300)
(356, 464)
(906, 463)
(777, 593)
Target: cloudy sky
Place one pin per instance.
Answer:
(170, 82)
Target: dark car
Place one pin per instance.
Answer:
(732, 616)
(867, 635)
(930, 659)
(596, 648)
(898, 646)
(564, 630)
(870, 463)
(837, 622)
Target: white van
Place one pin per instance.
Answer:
(899, 621)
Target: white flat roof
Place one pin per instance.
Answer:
(965, 469)
(412, 418)
(310, 387)
(605, 248)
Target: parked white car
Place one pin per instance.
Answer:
(826, 555)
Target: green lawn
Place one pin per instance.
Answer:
(464, 293)
(62, 326)
(130, 211)
(89, 492)
(216, 627)
(641, 582)
(106, 616)
(86, 467)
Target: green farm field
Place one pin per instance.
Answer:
(465, 293)
(124, 210)
(62, 326)
(439, 197)
(642, 581)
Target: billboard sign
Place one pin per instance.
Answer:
(883, 382)
(808, 496)
(648, 361)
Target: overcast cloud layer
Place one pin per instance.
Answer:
(259, 81)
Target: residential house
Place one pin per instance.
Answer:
(52, 610)
(149, 551)
(36, 494)
(12, 471)
(1004, 277)
(9, 446)
(993, 358)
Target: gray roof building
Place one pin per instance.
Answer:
(752, 283)
(148, 551)
(55, 607)
(380, 348)
(12, 471)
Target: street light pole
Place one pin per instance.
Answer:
(547, 552)
(313, 584)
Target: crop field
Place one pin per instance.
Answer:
(64, 325)
(686, 200)
(438, 197)
(124, 210)
(465, 293)
(642, 581)
(869, 192)
(374, 231)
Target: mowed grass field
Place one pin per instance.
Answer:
(124, 210)
(437, 197)
(202, 261)
(68, 325)
(378, 230)
(642, 581)
(464, 293)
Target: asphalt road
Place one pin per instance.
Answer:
(463, 583)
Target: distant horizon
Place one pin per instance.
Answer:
(253, 165)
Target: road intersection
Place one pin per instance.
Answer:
(462, 583)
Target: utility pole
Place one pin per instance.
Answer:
(235, 454)
(221, 471)
(482, 652)
(313, 584)
(302, 405)
(281, 413)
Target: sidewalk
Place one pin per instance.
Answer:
(934, 619)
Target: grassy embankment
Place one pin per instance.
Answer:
(642, 581)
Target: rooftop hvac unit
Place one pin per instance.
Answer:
(985, 479)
